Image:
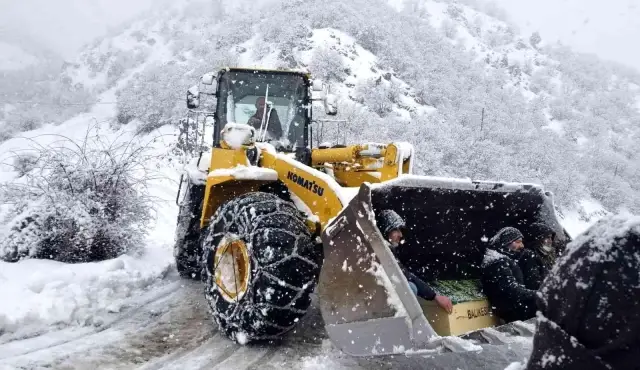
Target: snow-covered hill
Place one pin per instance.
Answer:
(419, 70)
(476, 99)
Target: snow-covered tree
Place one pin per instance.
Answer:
(77, 201)
(535, 39)
(327, 64)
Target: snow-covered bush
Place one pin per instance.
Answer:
(148, 99)
(82, 201)
(560, 110)
(23, 163)
(327, 64)
(535, 39)
(449, 28)
(378, 94)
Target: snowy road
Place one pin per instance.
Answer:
(169, 328)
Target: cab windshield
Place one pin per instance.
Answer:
(282, 121)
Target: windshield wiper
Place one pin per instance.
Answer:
(264, 125)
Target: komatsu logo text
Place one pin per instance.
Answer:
(309, 185)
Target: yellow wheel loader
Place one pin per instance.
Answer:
(265, 220)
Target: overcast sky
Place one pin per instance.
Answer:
(609, 28)
(66, 25)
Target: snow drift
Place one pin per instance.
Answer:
(38, 295)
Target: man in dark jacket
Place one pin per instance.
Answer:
(502, 279)
(391, 225)
(274, 128)
(589, 315)
(539, 256)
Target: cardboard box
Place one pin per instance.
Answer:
(471, 309)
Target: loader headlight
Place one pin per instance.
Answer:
(235, 135)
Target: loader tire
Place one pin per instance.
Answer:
(277, 267)
(187, 249)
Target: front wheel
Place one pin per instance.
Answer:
(261, 266)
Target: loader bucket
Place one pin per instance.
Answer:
(365, 300)
(366, 303)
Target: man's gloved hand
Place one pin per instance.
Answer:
(445, 303)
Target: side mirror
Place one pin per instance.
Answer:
(317, 85)
(193, 97)
(318, 90)
(330, 105)
(209, 84)
(208, 78)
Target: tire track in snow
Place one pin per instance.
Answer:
(15, 349)
(266, 358)
(180, 359)
(241, 359)
(166, 333)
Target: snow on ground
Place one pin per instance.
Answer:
(13, 57)
(574, 225)
(582, 141)
(54, 313)
(358, 60)
(170, 328)
(38, 293)
(249, 58)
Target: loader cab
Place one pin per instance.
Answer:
(278, 104)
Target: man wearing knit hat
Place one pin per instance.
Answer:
(589, 315)
(391, 225)
(503, 280)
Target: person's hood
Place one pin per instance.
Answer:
(537, 232)
(588, 303)
(554, 349)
